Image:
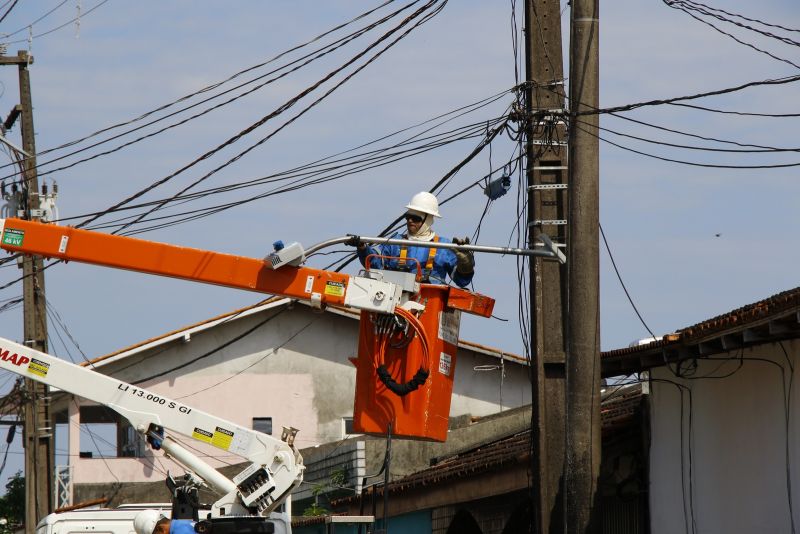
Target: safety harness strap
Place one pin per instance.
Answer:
(428, 264)
(431, 255)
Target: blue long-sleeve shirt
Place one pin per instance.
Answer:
(444, 262)
(181, 526)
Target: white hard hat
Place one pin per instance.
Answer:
(424, 202)
(145, 521)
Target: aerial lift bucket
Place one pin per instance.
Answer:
(424, 412)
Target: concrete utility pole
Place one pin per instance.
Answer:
(546, 154)
(38, 433)
(583, 265)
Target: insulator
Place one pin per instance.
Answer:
(497, 187)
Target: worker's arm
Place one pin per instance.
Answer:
(461, 280)
(365, 250)
(464, 264)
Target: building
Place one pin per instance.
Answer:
(724, 420)
(277, 364)
(478, 481)
(699, 437)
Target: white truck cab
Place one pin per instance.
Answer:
(97, 520)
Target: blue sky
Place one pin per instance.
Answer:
(661, 218)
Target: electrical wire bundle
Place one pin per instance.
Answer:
(398, 331)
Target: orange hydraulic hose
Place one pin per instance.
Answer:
(421, 335)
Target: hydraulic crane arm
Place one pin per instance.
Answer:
(318, 286)
(276, 466)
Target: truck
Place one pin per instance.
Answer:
(393, 306)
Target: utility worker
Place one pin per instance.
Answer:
(154, 522)
(436, 264)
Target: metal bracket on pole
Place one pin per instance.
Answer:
(14, 147)
(539, 142)
(544, 187)
(546, 222)
(552, 248)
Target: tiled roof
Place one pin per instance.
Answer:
(618, 411)
(620, 408)
(233, 313)
(272, 300)
(752, 313)
(772, 319)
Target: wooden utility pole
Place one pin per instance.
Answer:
(583, 265)
(38, 435)
(546, 154)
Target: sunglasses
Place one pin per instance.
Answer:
(414, 218)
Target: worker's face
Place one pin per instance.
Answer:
(414, 222)
(162, 528)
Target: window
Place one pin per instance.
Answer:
(347, 426)
(133, 444)
(263, 425)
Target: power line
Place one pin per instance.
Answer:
(452, 172)
(715, 13)
(41, 18)
(689, 134)
(1, 20)
(717, 92)
(300, 180)
(692, 163)
(622, 283)
(757, 21)
(679, 5)
(314, 55)
(48, 32)
(278, 111)
(700, 148)
(741, 113)
(418, 13)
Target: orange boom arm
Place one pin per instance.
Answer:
(96, 248)
(414, 381)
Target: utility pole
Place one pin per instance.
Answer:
(583, 265)
(38, 434)
(546, 155)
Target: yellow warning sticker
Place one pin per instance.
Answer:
(335, 289)
(222, 438)
(38, 367)
(202, 435)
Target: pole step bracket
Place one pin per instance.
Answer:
(545, 187)
(540, 142)
(548, 222)
(551, 168)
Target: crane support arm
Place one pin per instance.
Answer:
(318, 286)
(276, 466)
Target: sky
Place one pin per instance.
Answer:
(689, 241)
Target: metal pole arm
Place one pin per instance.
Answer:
(548, 250)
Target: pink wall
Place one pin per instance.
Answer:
(288, 399)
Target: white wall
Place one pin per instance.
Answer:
(295, 369)
(718, 457)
